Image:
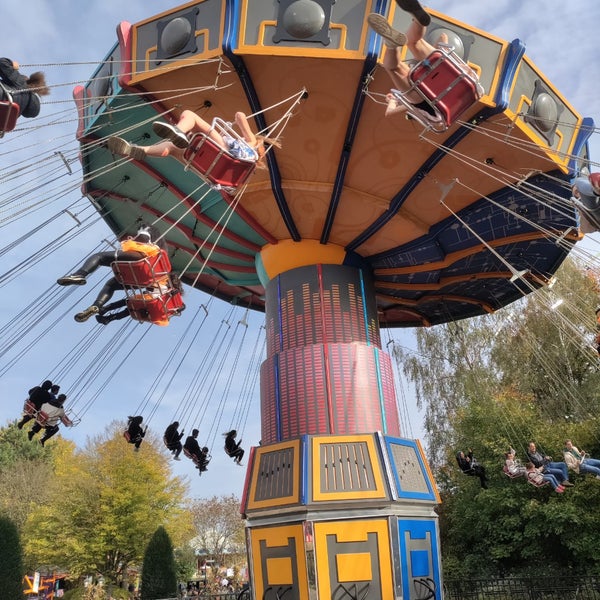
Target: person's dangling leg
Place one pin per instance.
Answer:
(89, 266)
(416, 10)
(48, 433)
(105, 294)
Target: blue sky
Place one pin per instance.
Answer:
(69, 42)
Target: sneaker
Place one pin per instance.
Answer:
(75, 279)
(136, 449)
(30, 435)
(378, 23)
(122, 147)
(416, 10)
(560, 489)
(171, 133)
(566, 484)
(597, 476)
(176, 458)
(103, 319)
(84, 315)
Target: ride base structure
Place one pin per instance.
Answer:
(358, 222)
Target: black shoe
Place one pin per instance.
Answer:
(30, 435)
(74, 279)
(84, 315)
(103, 319)
(171, 133)
(416, 10)
(20, 425)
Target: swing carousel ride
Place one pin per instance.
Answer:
(358, 221)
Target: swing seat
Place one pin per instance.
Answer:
(537, 485)
(41, 418)
(127, 436)
(147, 308)
(213, 163)
(191, 456)
(143, 272)
(9, 111)
(446, 83)
(511, 475)
(29, 408)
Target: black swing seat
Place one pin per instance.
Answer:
(214, 164)
(9, 111)
(446, 83)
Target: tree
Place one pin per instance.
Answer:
(159, 577)
(11, 564)
(528, 372)
(25, 473)
(219, 527)
(104, 504)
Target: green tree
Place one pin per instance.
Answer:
(25, 474)
(104, 504)
(11, 564)
(528, 372)
(159, 577)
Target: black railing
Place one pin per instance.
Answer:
(526, 588)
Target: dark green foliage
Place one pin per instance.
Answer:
(159, 572)
(11, 564)
(526, 373)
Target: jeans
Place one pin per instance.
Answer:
(558, 469)
(590, 465)
(551, 479)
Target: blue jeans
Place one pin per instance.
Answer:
(590, 465)
(551, 479)
(558, 469)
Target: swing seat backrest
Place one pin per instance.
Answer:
(535, 483)
(147, 308)
(29, 408)
(191, 456)
(143, 272)
(9, 112)
(509, 474)
(446, 83)
(41, 418)
(215, 164)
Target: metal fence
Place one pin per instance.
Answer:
(530, 588)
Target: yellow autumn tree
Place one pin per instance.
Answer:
(104, 504)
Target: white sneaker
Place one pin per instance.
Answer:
(176, 458)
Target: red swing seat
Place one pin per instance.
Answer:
(29, 408)
(446, 83)
(143, 272)
(535, 484)
(511, 475)
(9, 112)
(213, 163)
(41, 418)
(147, 308)
(191, 456)
(127, 436)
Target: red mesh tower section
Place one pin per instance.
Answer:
(324, 373)
(268, 399)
